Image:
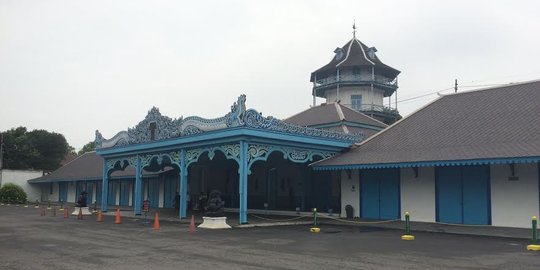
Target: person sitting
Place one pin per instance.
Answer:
(81, 202)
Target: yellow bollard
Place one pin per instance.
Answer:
(534, 246)
(407, 236)
(315, 229)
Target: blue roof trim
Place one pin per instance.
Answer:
(429, 163)
(227, 136)
(57, 180)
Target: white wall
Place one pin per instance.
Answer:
(161, 192)
(117, 197)
(21, 177)
(345, 93)
(350, 190)
(418, 194)
(71, 192)
(56, 192)
(514, 202)
(130, 203)
(94, 193)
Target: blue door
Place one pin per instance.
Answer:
(448, 192)
(62, 191)
(124, 193)
(98, 192)
(90, 191)
(169, 191)
(476, 205)
(369, 197)
(153, 192)
(389, 194)
(463, 195)
(112, 193)
(380, 195)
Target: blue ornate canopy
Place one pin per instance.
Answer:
(159, 127)
(244, 136)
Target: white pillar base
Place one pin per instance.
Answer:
(214, 223)
(85, 211)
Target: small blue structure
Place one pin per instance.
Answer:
(243, 148)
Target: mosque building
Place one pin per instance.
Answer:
(466, 158)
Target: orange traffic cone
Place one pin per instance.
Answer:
(156, 222)
(80, 216)
(118, 218)
(99, 216)
(192, 224)
(66, 212)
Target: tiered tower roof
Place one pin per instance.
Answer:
(354, 54)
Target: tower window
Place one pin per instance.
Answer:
(339, 53)
(356, 102)
(371, 52)
(356, 71)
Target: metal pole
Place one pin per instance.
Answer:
(372, 81)
(534, 230)
(396, 91)
(337, 79)
(314, 216)
(313, 92)
(407, 224)
(1, 155)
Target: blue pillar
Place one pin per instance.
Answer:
(104, 187)
(243, 171)
(183, 184)
(138, 187)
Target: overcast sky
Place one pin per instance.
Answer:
(76, 66)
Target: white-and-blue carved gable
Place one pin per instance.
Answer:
(154, 127)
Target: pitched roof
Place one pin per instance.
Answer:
(88, 166)
(331, 113)
(68, 158)
(491, 123)
(355, 53)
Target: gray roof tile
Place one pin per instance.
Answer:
(500, 122)
(328, 113)
(88, 166)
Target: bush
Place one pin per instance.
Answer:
(12, 193)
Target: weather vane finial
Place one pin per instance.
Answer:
(354, 29)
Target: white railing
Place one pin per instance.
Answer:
(356, 79)
(373, 108)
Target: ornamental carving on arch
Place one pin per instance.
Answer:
(258, 152)
(122, 162)
(231, 151)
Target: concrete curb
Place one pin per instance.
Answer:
(487, 231)
(273, 224)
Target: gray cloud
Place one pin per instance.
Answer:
(76, 66)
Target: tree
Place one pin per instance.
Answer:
(37, 149)
(12, 193)
(89, 147)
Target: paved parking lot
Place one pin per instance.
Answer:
(31, 241)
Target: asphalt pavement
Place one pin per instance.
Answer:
(31, 241)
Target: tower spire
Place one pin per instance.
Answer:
(354, 29)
